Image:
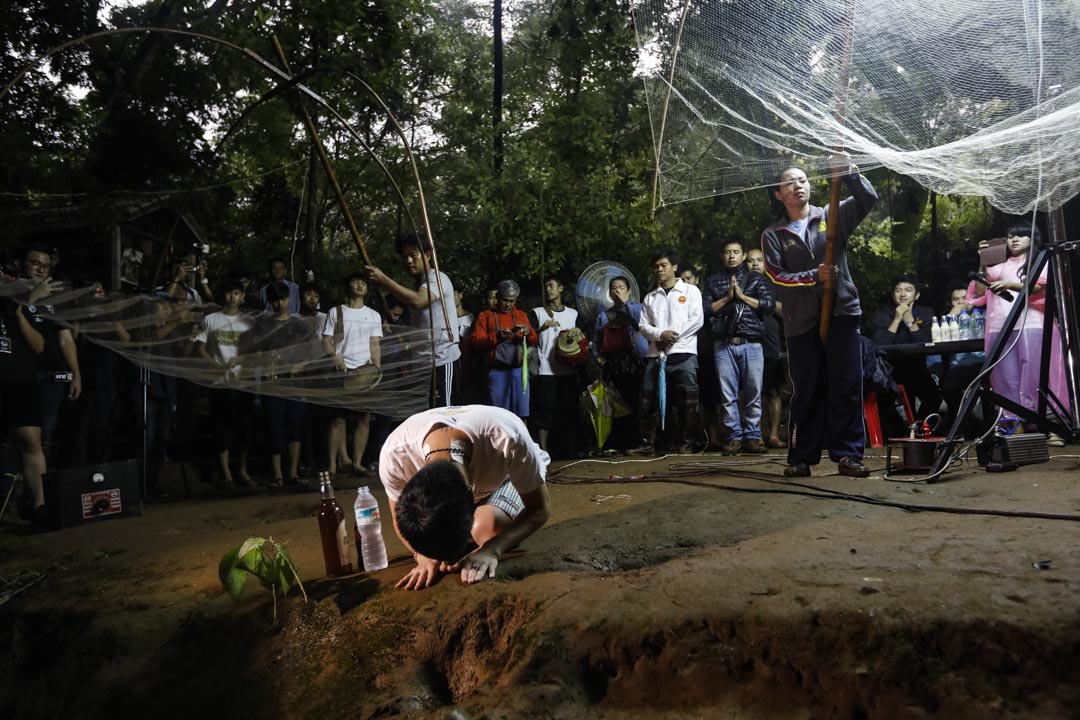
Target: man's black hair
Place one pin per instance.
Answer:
(690, 269)
(277, 291)
(909, 279)
(310, 286)
(732, 241)
(420, 242)
(556, 278)
(669, 253)
(354, 276)
(34, 248)
(1024, 228)
(232, 283)
(271, 261)
(619, 277)
(435, 512)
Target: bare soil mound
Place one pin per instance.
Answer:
(737, 595)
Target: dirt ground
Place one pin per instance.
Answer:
(711, 588)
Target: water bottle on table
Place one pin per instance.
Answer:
(370, 548)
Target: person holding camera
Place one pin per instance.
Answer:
(58, 373)
(188, 282)
(504, 332)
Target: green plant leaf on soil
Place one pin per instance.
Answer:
(228, 561)
(234, 582)
(284, 576)
(252, 543)
(266, 560)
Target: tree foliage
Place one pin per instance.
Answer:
(156, 112)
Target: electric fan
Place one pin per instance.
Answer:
(592, 289)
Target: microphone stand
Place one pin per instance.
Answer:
(1060, 305)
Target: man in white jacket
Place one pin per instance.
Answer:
(670, 319)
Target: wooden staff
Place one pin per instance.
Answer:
(828, 299)
(313, 133)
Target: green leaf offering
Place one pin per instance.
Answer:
(266, 560)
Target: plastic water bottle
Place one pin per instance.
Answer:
(935, 331)
(964, 321)
(980, 325)
(370, 547)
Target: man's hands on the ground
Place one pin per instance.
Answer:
(476, 566)
(421, 576)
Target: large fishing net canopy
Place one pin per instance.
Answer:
(283, 359)
(969, 97)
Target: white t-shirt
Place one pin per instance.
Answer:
(549, 339)
(501, 449)
(464, 322)
(361, 324)
(222, 335)
(445, 350)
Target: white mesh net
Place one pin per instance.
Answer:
(970, 97)
(285, 359)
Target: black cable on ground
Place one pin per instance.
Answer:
(811, 491)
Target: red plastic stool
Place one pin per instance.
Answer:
(873, 419)
(907, 405)
(873, 416)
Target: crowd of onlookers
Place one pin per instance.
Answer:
(704, 360)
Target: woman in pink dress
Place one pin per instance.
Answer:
(1016, 376)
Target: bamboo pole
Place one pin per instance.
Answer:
(829, 298)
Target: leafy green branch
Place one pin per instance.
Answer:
(266, 560)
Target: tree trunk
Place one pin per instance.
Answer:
(496, 104)
(311, 212)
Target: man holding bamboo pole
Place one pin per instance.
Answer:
(826, 367)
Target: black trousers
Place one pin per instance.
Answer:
(826, 400)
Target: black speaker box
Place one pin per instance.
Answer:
(1007, 452)
(76, 496)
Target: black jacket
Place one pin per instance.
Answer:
(792, 266)
(924, 317)
(737, 319)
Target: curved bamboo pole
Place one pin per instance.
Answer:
(664, 108)
(829, 298)
(420, 194)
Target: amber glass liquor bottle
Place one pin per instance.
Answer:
(333, 531)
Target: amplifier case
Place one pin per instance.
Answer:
(1022, 449)
(93, 493)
